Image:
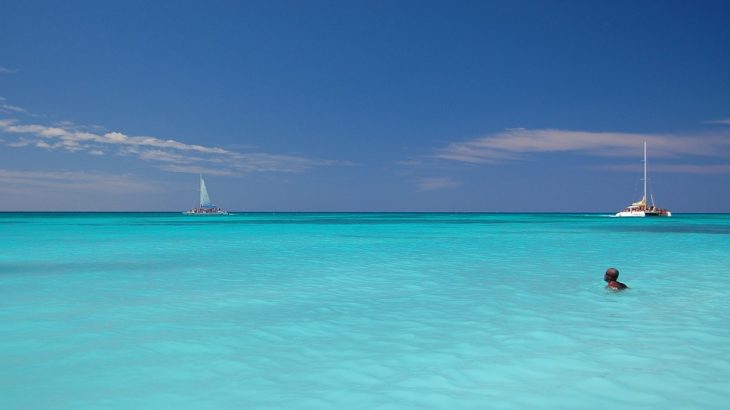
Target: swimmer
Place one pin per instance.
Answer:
(611, 277)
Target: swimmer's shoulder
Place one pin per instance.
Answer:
(616, 286)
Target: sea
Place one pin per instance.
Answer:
(363, 311)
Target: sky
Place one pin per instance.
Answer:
(449, 106)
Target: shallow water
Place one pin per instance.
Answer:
(363, 311)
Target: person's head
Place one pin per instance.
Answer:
(611, 275)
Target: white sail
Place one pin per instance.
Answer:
(204, 198)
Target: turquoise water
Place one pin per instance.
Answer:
(363, 311)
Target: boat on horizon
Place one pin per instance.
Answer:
(206, 207)
(641, 208)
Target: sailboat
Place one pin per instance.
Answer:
(206, 207)
(640, 208)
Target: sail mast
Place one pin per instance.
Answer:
(645, 198)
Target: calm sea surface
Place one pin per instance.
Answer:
(363, 311)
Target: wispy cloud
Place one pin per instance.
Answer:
(676, 168)
(73, 181)
(410, 162)
(725, 121)
(521, 144)
(434, 183)
(7, 108)
(168, 154)
(22, 142)
(11, 108)
(5, 70)
(194, 169)
(71, 126)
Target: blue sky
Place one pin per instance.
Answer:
(364, 105)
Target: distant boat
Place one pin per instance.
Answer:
(206, 207)
(640, 208)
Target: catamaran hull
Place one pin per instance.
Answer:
(630, 214)
(643, 214)
(204, 211)
(205, 214)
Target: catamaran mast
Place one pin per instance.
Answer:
(646, 200)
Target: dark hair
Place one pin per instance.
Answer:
(611, 274)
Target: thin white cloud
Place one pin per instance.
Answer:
(72, 181)
(70, 137)
(521, 144)
(5, 70)
(19, 143)
(12, 108)
(724, 121)
(251, 162)
(410, 163)
(164, 156)
(75, 138)
(192, 169)
(676, 168)
(70, 125)
(431, 184)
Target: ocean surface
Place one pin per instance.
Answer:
(363, 311)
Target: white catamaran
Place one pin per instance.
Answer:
(640, 208)
(206, 207)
